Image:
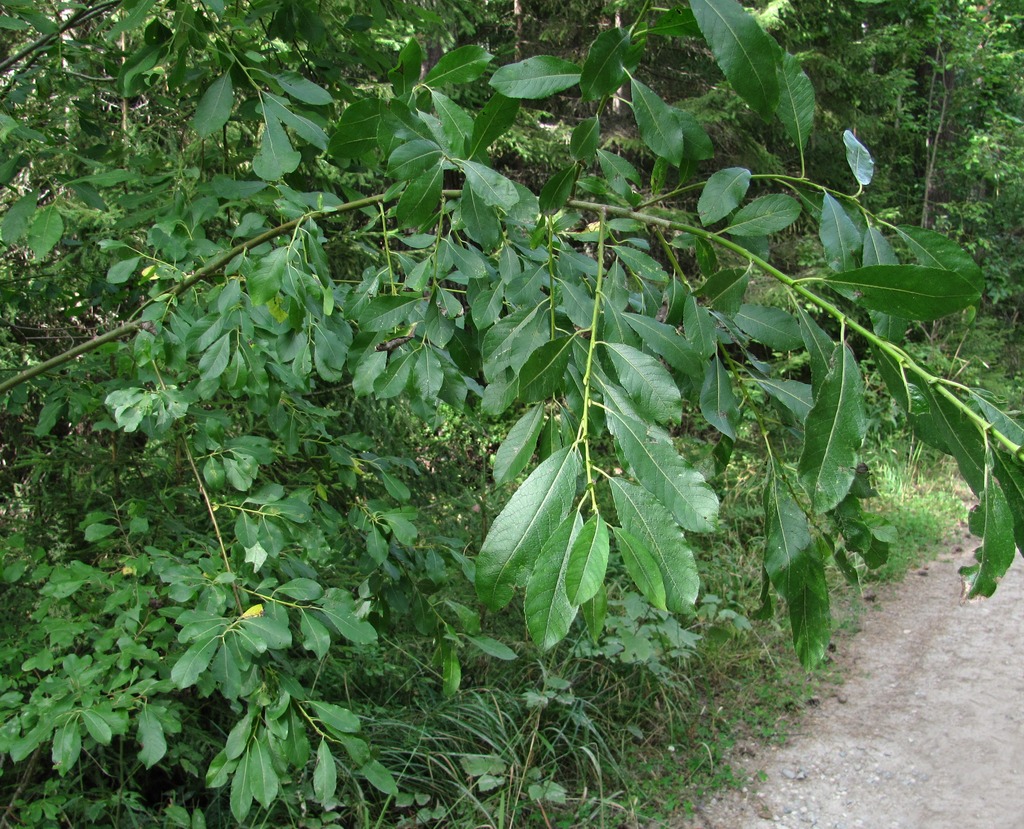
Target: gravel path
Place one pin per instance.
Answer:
(927, 732)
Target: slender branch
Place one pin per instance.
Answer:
(893, 351)
(81, 16)
(200, 275)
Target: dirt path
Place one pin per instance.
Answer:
(926, 733)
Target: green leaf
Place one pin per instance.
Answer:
(536, 77)
(604, 70)
(337, 719)
(543, 375)
(492, 647)
(339, 609)
(325, 774)
(877, 250)
(150, 732)
(451, 669)
(411, 159)
(481, 221)
(356, 133)
(558, 188)
(549, 613)
(406, 73)
(796, 571)
(259, 768)
(490, 185)
(992, 521)
(911, 291)
(584, 140)
(265, 280)
(515, 452)
(455, 121)
(527, 520)
(722, 194)
(725, 289)
(67, 744)
(594, 612)
(959, 437)
(384, 313)
(588, 561)
(493, 121)
(18, 217)
(647, 382)
(642, 567)
(665, 341)
(768, 214)
(45, 231)
(747, 56)
(660, 126)
(839, 236)
(215, 359)
(771, 326)
(717, 400)
(193, 662)
(277, 107)
(792, 394)
(98, 728)
(421, 198)
(646, 519)
(657, 465)
(833, 432)
(796, 101)
(215, 106)
(1010, 474)
(862, 165)
(380, 778)
(315, 636)
(462, 65)
(302, 89)
(937, 251)
(276, 157)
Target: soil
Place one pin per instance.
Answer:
(925, 732)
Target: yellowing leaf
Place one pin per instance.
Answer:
(253, 612)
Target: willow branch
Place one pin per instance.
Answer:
(204, 273)
(76, 19)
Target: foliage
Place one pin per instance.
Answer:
(251, 238)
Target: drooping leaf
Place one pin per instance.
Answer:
(45, 231)
(792, 394)
(497, 116)
(356, 133)
(660, 126)
(724, 290)
(421, 198)
(276, 157)
(722, 194)
(657, 465)
(644, 517)
(543, 375)
(584, 139)
(521, 528)
(536, 77)
(604, 69)
(215, 106)
(747, 56)
(325, 774)
(718, 401)
(642, 567)
(515, 452)
(665, 341)
(771, 326)
(766, 215)
(1010, 474)
(910, 291)
(558, 188)
(934, 250)
(263, 780)
(877, 250)
(796, 571)
(833, 432)
(991, 521)
(482, 224)
(462, 65)
(958, 436)
(413, 158)
(151, 738)
(456, 123)
(862, 165)
(549, 613)
(796, 101)
(490, 185)
(646, 381)
(839, 236)
(588, 561)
